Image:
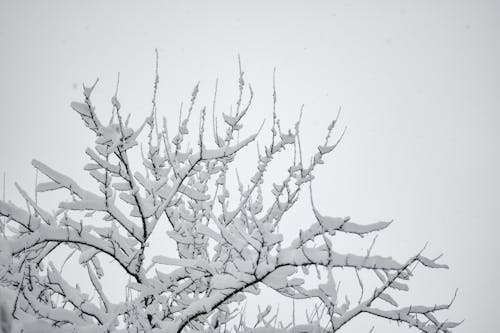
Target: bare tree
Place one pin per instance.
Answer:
(228, 244)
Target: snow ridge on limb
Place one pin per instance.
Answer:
(332, 224)
(227, 244)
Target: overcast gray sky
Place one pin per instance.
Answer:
(418, 82)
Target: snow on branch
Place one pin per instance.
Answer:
(227, 245)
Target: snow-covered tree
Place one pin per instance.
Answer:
(228, 244)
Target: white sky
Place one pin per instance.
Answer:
(418, 82)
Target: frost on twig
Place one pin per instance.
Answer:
(228, 244)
